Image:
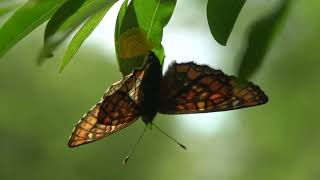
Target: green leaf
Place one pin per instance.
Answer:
(66, 20)
(5, 9)
(160, 53)
(25, 20)
(60, 26)
(222, 15)
(260, 38)
(83, 34)
(120, 16)
(141, 30)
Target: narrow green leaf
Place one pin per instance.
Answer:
(60, 26)
(260, 38)
(222, 15)
(66, 20)
(144, 22)
(25, 20)
(83, 34)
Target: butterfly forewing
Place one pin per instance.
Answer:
(129, 85)
(116, 110)
(192, 88)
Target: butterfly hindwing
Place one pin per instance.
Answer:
(191, 88)
(115, 111)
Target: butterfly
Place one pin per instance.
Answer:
(185, 88)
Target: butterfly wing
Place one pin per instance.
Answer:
(191, 88)
(117, 110)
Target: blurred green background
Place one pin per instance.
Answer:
(279, 140)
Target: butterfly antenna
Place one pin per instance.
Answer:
(170, 137)
(124, 162)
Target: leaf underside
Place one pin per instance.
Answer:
(260, 38)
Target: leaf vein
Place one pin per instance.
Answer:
(152, 19)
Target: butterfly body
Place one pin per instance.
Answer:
(184, 89)
(150, 89)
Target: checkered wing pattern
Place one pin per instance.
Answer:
(191, 88)
(117, 109)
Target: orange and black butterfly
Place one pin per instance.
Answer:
(185, 88)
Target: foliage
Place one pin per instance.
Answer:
(260, 38)
(139, 28)
(222, 16)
